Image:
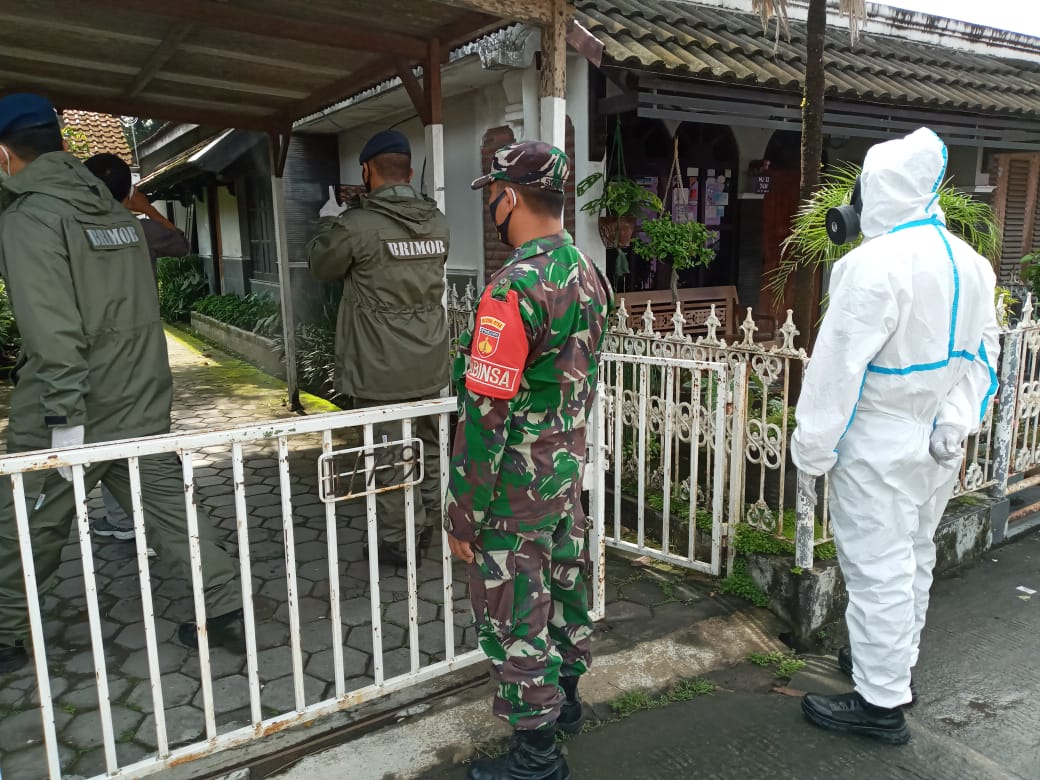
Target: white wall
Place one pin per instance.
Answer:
(202, 220)
(230, 228)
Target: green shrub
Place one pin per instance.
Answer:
(182, 282)
(739, 583)
(10, 341)
(256, 313)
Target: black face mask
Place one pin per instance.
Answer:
(843, 222)
(503, 228)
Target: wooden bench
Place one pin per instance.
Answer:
(696, 303)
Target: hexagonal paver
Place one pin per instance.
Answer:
(322, 666)
(397, 613)
(177, 689)
(30, 761)
(25, 728)
(171, 658)
(84, 731)
(184, 725)
(275, 662)
(229, 694)
(279, 695)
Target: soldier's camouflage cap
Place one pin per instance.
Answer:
(528, 162)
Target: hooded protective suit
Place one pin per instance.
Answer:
(909, 342)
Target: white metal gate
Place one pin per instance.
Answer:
(666, 482)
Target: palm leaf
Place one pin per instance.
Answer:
(808, 244)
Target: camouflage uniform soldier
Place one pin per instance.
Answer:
(514, 508)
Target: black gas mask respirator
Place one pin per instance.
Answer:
(843, 221)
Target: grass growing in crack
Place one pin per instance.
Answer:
(126, 736)
(785, 666)
(632, 702)
(70, 708)
(739, 583)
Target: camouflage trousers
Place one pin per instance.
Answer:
(531, 605)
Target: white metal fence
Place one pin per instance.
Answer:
(668, 431)
(423, 651)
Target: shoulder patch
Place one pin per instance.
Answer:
(498, 353)
(119, 237)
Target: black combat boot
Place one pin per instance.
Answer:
(13, 657)
(572, 716)
(396, 554)
(845, 664)
(534, 756)
(852, 714)
(224, 631)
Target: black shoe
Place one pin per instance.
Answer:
(850, 713)
(534, 756)
(225, 631)
(13, 657)
(396, 555)
(572, 715)
(845, 665)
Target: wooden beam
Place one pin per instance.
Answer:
(206, 13)
(432, 77)
(341, 89)
(531, 11)
(415, 91)
(160, 57)
(554, 51)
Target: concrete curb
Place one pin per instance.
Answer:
(444, 734)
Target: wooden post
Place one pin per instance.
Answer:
(554, 76)
(435, 123)
(279, 152)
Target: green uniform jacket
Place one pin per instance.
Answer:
(390, 250)
(530, 364)
(81, 286)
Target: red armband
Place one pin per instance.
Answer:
(498, 352)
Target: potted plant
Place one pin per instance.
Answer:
(619, 204)
(683, 244)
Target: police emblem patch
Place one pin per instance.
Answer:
(488, 336)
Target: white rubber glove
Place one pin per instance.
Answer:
(946, 445)
(807, 489)
(71, 436)
(331, 207)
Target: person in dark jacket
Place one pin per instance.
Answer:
(390, 247)
(93, 368)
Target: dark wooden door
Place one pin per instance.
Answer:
(778, 209)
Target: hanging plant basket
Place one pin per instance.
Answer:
(617, 231)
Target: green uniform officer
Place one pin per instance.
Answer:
(93, 367)
(389, 248)
(514, 511)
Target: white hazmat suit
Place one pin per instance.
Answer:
(909, 343)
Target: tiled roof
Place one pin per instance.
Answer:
(728, 46)
(104, 133)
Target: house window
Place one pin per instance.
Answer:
(260, 229)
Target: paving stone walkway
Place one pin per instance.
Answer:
(215, 391)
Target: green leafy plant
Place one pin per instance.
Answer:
(620, 197)
(785, 666)
(182, 282)
(808, 244)
(683, 244)
(1030, 274)
(9, 337)
(740, 584)
(259, 314)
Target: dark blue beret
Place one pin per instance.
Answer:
(24, 110)
(386, 142)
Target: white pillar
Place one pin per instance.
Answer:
(285, 288)
(435, 154)
(554, 121)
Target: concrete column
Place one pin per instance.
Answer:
(285, 289)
